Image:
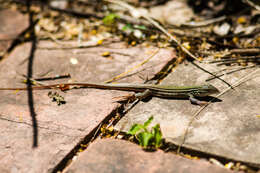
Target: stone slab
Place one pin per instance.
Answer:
(60, 127)
(110, 155)
(229, 128)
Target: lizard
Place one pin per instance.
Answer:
(142, 90)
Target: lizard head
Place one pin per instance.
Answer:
(208, 89)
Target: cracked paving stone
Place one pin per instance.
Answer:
(111, 155)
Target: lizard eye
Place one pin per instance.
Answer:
(205, 86)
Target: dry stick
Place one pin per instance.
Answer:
(233, 51)
(231, 71)
(133, 68)
(204, 23)
(53, 77)
(236, 60)
(245, 50)
(237, 83)
(132, 9)
(96, 132)
(252, 4)
(199, 67)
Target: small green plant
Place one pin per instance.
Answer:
(110, 19)
(128, 27)
(147, 138)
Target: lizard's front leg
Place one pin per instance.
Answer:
(143, 95)
(132, 98)
(193, 100)
(137, 97)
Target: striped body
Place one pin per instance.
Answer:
(167, 91)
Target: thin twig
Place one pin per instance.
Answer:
(53, 77)
(232, 71)
(133, 68)
(245, 59)
(96, 132)
(128, 108)
(204, 23)
(245, 50)
(211, 74)
(252, 4)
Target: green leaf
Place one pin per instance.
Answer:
(135, 128)
(127, 27)
(157, 134)
(144, 138)
(146, 123)
(140, 27)
(110, 19)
